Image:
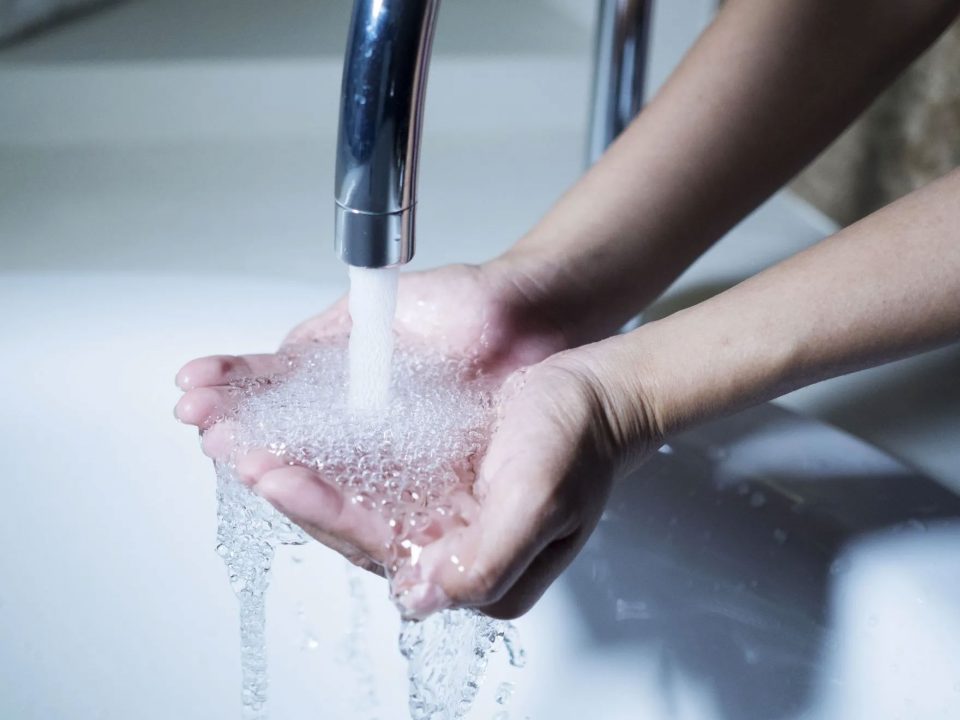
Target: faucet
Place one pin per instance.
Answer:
(381, 115)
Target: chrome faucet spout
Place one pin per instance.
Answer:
(620, 67)
(381, 117)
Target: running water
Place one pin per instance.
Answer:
(400, 431)
(248, 531)
(373, 303)
(357, 654)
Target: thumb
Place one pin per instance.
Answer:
(527, 502)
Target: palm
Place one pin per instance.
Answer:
(460, 311)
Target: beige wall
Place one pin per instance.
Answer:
(910, 136)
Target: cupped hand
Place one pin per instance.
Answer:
(487, 313)
(564, 435)
(559, 443)
(490, 314)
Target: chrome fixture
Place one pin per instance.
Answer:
(623, 32)
(381, 115)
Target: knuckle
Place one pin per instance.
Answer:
(223, 364)
(479, 586)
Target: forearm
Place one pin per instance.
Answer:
(882, 289)
(767, 86)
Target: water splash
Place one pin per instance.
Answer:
(504, 693)
(515, 651)
(447, 657)
(406, 465)
(357, 655)
(248, 531)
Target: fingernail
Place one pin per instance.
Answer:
(406, 577)
(422, 600)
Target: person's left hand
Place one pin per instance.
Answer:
(491, 314)
(566, 429)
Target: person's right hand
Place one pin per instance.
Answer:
(567, 430)
(567, 427)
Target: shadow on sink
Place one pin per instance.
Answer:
(721, 552)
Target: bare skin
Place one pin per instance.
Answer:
(766, 87)
(503, 330)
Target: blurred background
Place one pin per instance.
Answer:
(175, 136)
(166, 191)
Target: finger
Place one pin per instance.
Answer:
(217, 442)
(205, 406)
(537, 578)
(528, 487)
(455, 509)
(224, 369)
(321, 508)
(517, 519)
(473, 566)
(257, 463)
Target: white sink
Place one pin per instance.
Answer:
(707, 591)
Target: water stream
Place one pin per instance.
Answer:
(393, 428)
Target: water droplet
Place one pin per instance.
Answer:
(238, 583)
(411, 452)
(504, 693)
(515, 651)
(363, 500)
(780, 536)
(758, 500)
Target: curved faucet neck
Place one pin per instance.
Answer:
(378, 145)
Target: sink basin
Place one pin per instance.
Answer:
(764, 566)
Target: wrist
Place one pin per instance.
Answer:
(549, 278)
(697, 365)
(628, 420)
(533, 288)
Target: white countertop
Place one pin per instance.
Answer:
(202, 142)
